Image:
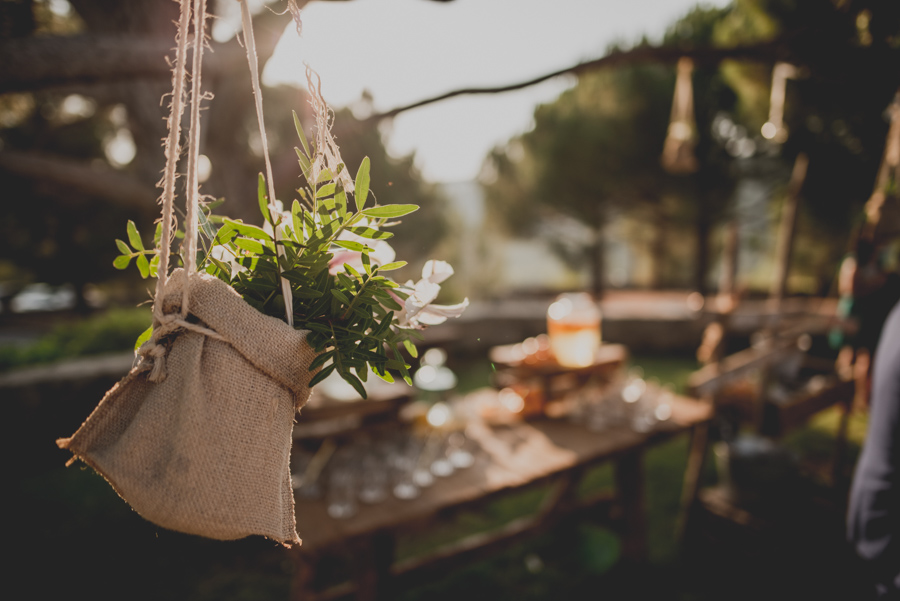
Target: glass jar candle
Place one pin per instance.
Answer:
(573, 325)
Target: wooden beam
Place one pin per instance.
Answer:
(47, 61)
(84, 179)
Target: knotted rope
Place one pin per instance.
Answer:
(153, 352)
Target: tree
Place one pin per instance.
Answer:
(111, 56)
(594, 150)
(593, 153)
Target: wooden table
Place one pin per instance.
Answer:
(513, 456)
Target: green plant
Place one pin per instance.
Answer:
(330, 249)
(108, 332)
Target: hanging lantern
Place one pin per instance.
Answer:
(774, 129)
(678, 151)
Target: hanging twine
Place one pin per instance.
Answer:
(153, 352)
(253, 60)
(172, 150)
(193, 185)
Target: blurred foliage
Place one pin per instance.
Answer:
(112, 331)
(56, 235)
(47, 232)
(594, 152)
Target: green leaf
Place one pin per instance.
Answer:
(133, 236)
(349, 269)
(122, 261)
(411, 348)
(317, 327)
(144, 337)
(300, 133)
(326, 190)
(320, 360)
(326, 371)
(263, 198)
(297, 220)
(371, 233)
(383, 374)
(304, 162)
(324, 176)
(392, 266)
(250, 245)
(354, 381)
(306, 293)
(157, 236)
(390, 211)
(123, 248)
(154, 266)
(340, 296)
(362, 184)
(223, 267)
(340, 200)
(350, 245)
(395, 364)
(251, 231)
(143, 265)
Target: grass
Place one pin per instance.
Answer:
(111, 331)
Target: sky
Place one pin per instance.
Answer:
(402, 51)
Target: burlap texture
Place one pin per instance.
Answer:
(207, 450)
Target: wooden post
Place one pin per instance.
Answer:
(372, 560)
(784, 247)
(629, 477)
(787, 229)
(692, 474)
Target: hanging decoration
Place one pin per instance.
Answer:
(883, 207)
(678, 151)
(197, 437)
(774, 129)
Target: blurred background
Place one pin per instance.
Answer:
(674, 192)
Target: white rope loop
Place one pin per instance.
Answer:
(172, 151)
(193, 185)
(152, 352)
(253, 60)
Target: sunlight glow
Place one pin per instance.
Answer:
(403, 51)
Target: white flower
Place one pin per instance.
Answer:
(418, 311)
(225, 255)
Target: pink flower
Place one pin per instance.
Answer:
(382, 253)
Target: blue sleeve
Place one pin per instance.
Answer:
(873, 517)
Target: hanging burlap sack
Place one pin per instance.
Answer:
(206, 449)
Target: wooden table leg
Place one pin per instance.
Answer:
(629, 476)
(372, 561)
(692, 473)
(304, 571)
(839, 473)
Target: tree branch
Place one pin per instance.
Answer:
(42, 62)
(766, 51)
